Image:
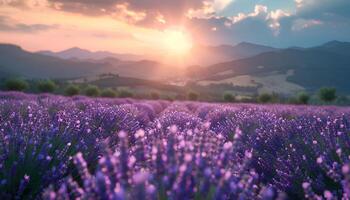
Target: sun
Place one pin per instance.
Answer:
(177, 42)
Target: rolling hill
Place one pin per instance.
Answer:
(18, 62)
(14, 61)
(83, 54)
(207, 55)
(280, 70)
(308, 68)
(203, 55)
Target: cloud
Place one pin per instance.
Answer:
(278, 23)
(274, 18)
(221, 4)
(145, 12)
(151, 13)
(24, 4)
(264, 24)
(323, 8)
(15, 3)
(208, 9)
(112, 35)
(311, 23)
(300, 24)
(262, 13)
(7, 25)
(327, 19)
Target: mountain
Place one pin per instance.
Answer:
(83, 54)
(280, 70)
(199, 55)
(208, 55)
(245, 49)
(308, 68)
(18, 62)
(14, 61)
(335, 46)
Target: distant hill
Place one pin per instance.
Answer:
(83, 54)
(342, 48)
(199, 55)
(18, 62)
(309, 68)
(208, 55)
(242, 50)
(143, 69)
(14, 61)
(267, 69)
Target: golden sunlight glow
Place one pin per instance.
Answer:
(177, 42)
(101, 33)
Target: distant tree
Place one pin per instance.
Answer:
(155, 95)
(293, 100)
(180, 97)
(342, 100)
(229, 97)
(192, 96)
(303, 98)
(265, 98)
(169, 98)
(16, 85)
(47, 86)
(276, 98)
(327, 94)
(72, 90)
(108, 93)
(92, 91)
(248, 99)
(124, 93)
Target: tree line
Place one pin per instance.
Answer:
(326, 95)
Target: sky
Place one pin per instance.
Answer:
(141, 26)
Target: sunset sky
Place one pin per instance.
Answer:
(139, 26)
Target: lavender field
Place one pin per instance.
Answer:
(55, 147)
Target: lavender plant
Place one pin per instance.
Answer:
(54, 147)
